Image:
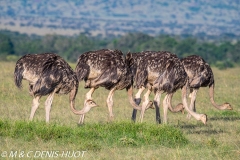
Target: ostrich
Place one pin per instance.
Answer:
(159, 72)
(105, 68)
(200, 75)
(132, 61)
(47, 74)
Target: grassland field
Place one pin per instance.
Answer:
(98, 138)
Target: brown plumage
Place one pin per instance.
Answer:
(200, 75)
(104, 68)
(47, 74)
(161, 72)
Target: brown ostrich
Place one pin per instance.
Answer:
(132, 61)
(105, 68)
(48, 74)
(161, 72)
(200, 75)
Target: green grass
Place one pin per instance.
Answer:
(180, 139)
(96, 136)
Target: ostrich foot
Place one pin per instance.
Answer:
(80, 124)
(111, 118)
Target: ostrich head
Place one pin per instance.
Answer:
(150, 105)
(227, 106)
(88, 104)
(179, 108)
(203, 118)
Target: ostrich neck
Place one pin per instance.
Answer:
(211, 94)
(184, 101)
(178, 108)
(220, 107)
(72, 96)
(130, 97)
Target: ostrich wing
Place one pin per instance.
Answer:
(51, 75)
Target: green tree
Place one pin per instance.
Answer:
(236, 53)
(48, 43)
(223, 50)
(169, 44)
(6, 45)
(131, 42)
(206, 51)
(186, 47)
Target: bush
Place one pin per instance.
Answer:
(224, 64)
(12, 58)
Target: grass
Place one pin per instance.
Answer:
(96, 136)
(120, 139)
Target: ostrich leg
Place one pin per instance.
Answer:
(81, 119)
(156, 104)
(192, 104)
(145, 104)
(137, 101)
(165, 108)
(167, 105)
(88, 96)
(35, 104)
(110, 102)
(48, 104)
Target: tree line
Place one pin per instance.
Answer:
(222, 54)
